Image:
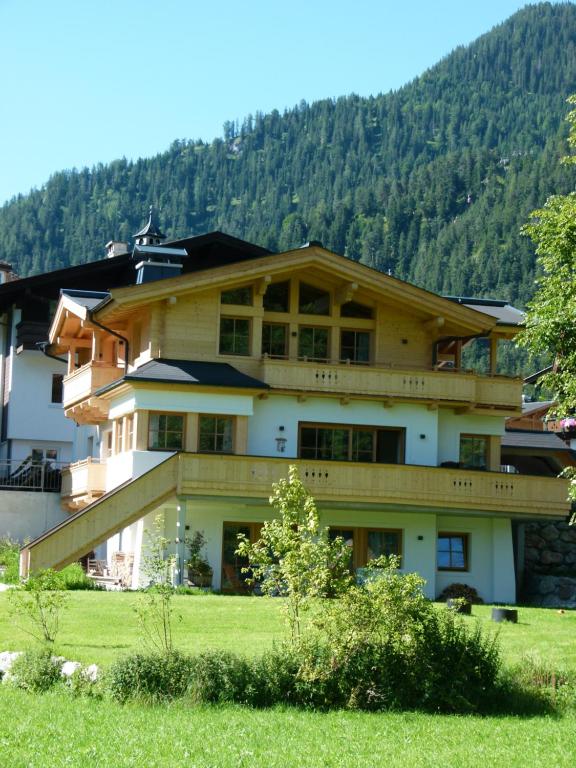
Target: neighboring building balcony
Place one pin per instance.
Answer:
(385, 485)
(31, 475)
(82, 483)
(445, 386)
(564, 428)
(78, 391)
(30, 332)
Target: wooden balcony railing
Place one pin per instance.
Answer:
(82, 483)
(442, 386)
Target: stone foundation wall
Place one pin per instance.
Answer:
(550, 565)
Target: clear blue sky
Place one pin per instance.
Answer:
(88, 81)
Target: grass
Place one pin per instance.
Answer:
(55, 730)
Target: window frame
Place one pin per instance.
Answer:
(57, 389)
(399, 531)
(470, 436)
(354, 360)
(216, 417)
(304, 285)
(249, 303)
(254, 534)
(465, 536)
(352, 429)
(182, 416)
(266, 353)
(236, 319)
(314, 328)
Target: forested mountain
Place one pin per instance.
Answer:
(432, 181)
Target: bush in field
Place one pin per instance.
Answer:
(74, 577)
(383, 645)
(9, 560)
(35, 671)
(219, 677)
(150, 676)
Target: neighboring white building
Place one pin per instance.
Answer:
(224, 364)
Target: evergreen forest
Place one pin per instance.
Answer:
(431, 182)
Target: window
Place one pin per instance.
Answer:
(383, 542)
(215, 434)
(313, 301)
(313, 343)
(452, 552)
(355, 346)
(348, 535)
(57, 388)
(119, 436)
(474, 451)
(274, 337)
(277, 297)
(241, 296)
(129, 432)
(41, 455)
(354, 309)
(166, 431)
(234, 336)
(328, 442)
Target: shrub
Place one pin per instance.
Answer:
(74, 577)
(461, 591)
(40, 603)
(10, 560)
(220, 676)
(36, 671)
(151, 676)
(84, 683)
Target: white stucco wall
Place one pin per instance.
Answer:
(25, 514)
(31, 415)
(451, 425)
(491, 559)
(286, 411)
(131, 464)
(181, 402)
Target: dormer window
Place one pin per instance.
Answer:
(313, 301)
(239, 296)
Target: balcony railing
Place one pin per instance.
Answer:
(386, 485)
(83, 382)
(31, 475)
(446, 385)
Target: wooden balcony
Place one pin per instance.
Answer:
(82, 483)
(448, 387)
(385, 485)
(79, 387)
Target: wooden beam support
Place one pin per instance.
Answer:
(68, 341)
(262, 285)
(434, 325)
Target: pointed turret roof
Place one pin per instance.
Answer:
(151, 229)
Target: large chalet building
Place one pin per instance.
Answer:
(221, 364)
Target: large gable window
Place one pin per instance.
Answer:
(277, 297)
(234, 336)
(239, 296)
(355, 309)
(313, 301)
(166, 431)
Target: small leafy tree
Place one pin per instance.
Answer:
(294, 556)
(551, 318)
(39, 603)
(155, 611)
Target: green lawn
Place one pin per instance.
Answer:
(55, 730)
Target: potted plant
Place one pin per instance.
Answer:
(199, 569)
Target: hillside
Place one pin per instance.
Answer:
(431, 182)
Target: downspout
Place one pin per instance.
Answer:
(114, 333)
(43, 347)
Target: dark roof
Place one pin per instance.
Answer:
(520, 438)
(204, 251)
(534, 377)
(504, 312)
(189, 372)
(536, 405)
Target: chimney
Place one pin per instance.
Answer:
(153, 262)
(115, 248)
